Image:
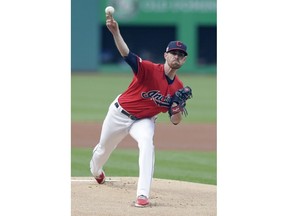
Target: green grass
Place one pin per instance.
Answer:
(185, 166)
(91, 95)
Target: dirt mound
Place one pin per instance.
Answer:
(117, 197)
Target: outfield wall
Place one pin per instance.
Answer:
(147, 27)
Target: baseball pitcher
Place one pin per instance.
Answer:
(155, 88)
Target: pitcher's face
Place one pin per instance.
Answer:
(175, 59)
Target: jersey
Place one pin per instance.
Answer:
(150, 91)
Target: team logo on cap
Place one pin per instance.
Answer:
(178, 43)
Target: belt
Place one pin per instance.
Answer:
(126, 113)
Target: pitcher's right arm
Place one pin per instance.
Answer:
(113, 27)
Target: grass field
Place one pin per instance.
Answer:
(187, 166)
(91, 94)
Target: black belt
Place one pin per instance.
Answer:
(126, 113)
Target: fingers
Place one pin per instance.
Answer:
(110, 24)
(109, 16)
(109, 19)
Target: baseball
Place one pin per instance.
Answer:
(109, 10)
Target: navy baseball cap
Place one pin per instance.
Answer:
(177, 45)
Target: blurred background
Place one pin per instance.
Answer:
(147, 27)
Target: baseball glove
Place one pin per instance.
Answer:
(178, 101)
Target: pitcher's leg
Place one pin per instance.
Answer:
(113, 131)
(103, 150)
(143, 131)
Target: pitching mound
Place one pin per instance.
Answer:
(117, 197)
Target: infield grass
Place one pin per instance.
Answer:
(177, 165)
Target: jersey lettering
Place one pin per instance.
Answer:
(157, 97)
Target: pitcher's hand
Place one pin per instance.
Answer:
(111, 24)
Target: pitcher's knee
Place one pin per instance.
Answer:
(148, 143)
(146, 138)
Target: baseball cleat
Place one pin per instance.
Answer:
(101, 178)
(142, 201)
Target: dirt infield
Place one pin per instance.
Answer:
(198, 137)
(117, 197)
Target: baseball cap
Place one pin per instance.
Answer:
(177, 45)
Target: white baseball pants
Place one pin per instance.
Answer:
(115, 127)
